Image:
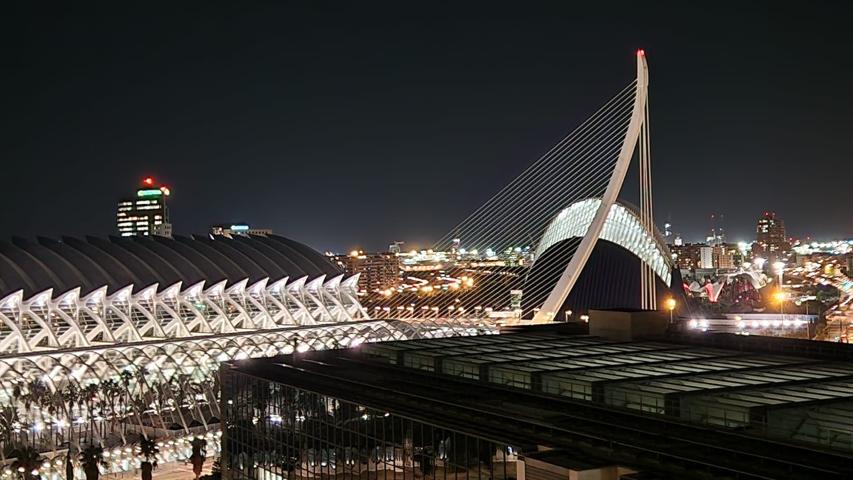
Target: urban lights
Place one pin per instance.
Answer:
(670, 305)
(780, 297)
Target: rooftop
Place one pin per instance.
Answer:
(752, 407)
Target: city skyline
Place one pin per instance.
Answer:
(340, 121)
(261, 240)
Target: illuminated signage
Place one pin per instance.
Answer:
(148, 193)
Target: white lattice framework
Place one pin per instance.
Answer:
(168, 388)
(43, 322)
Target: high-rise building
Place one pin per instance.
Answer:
(146, 213)
(706, 256)
(378, 271)
(230, 230)
(770, 242)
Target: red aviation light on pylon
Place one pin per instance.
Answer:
(149, 181)
(641, 53)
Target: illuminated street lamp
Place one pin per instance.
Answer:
(670, 305)
(567, 313)
(780, 297)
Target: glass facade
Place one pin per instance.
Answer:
(276, 431)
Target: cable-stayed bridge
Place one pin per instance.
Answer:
(564, 204)
(106, 342)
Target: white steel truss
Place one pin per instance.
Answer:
(41, 322)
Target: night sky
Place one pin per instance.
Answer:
(359, 125)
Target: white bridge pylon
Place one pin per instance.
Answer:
(637, 130)
(589, 164)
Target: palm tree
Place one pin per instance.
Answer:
(18, 397)
(71, 396)
(215, 471)
(8, 419)
(69, 465)
(90, 393)
(126, 376)
(110, 390)
(92, 457)
(149, 450)
(27, 461)
(199, 446)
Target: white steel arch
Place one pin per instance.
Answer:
(621, 226)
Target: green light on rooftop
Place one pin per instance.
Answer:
(148, 193)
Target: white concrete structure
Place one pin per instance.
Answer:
(104, 341)
(637, 128)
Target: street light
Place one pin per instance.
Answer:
(780, 297)
(670, 305)
(567, 313)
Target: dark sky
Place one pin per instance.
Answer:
(358, 125)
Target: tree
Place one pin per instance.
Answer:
(27, 461)
(8, 419)
(90, 394)
(199, 446)
(92, 457)
(149, 450)
(69, 465)
(215, 471)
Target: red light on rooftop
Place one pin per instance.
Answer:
(148, 181)
(641, 52)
